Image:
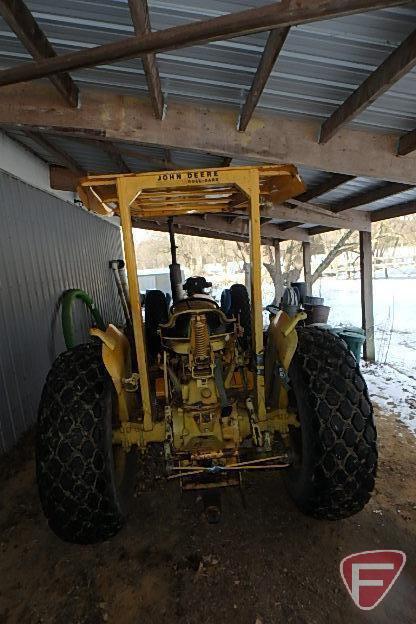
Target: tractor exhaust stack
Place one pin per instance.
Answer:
(175, 267)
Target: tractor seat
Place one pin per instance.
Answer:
(180, 316)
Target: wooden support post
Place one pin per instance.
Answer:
(136, 310)
(278, 277)
(367, 295)
(256, 300)
(307, 269)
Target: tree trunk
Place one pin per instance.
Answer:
(335, 251)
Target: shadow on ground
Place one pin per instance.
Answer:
(267, 563)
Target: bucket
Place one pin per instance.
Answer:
(354, 337)
(316, 313)
(314, 300)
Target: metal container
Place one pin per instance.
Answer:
(316, 313)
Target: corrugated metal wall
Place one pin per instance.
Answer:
(46, 247)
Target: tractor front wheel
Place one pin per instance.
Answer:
(335, 447)
(79, 488)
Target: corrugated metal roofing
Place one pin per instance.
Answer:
(319, 66)
(46, 247)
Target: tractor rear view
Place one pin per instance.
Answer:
(199, 393)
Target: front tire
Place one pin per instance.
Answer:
(74, 457)
(335, 447)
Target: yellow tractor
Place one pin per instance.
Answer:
(200, 393)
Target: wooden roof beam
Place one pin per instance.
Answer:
(407, 143)
(272, 139)
(226, 161)
(368, 197)
(333, 182)
(56, 153)
(397, 65)
(63, 179)
(21, 21)
(271, 51)
(115, 155)
(287, 225)
(139, 11)
(221, 223)
(319, 229)
(313, 213)
(397, 210)
(181, 228)
(269, 17)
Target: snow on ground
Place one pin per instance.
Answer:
(393, 391)
(392, 380)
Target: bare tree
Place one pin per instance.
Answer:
(338, 249)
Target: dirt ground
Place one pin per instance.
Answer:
(266, 564)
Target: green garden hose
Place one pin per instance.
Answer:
(68, 299)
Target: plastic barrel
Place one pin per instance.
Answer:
(354, 337)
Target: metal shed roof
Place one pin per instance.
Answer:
(320, 64)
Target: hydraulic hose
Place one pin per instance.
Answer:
(68, 299)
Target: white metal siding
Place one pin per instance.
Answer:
(46, 246)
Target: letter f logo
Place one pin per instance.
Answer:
(369, 575)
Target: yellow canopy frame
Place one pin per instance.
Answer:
(165, 194)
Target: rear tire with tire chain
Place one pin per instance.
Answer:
(336, 444)
(240, 308)
(74, 458)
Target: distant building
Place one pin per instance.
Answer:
(155, 279)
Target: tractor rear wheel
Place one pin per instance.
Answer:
(80, 489)
(335, 448)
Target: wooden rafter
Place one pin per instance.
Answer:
(401, 209)
(287, 225)
(56, 153)
(219, 223)
(271, 51)
(181, 228)
(368, 197)
(139, 11)
(115, 154)
(313, 213)
(63, 179)
(407, 143)
(273, 139)
(319, 229)
(397, 65)
(226, 161)
(269, 17)
(397, 210)
(27, 30)
(336, 180)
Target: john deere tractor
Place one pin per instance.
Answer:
(196, 392)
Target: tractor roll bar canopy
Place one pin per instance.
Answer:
(164, 194)
(175, 193)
